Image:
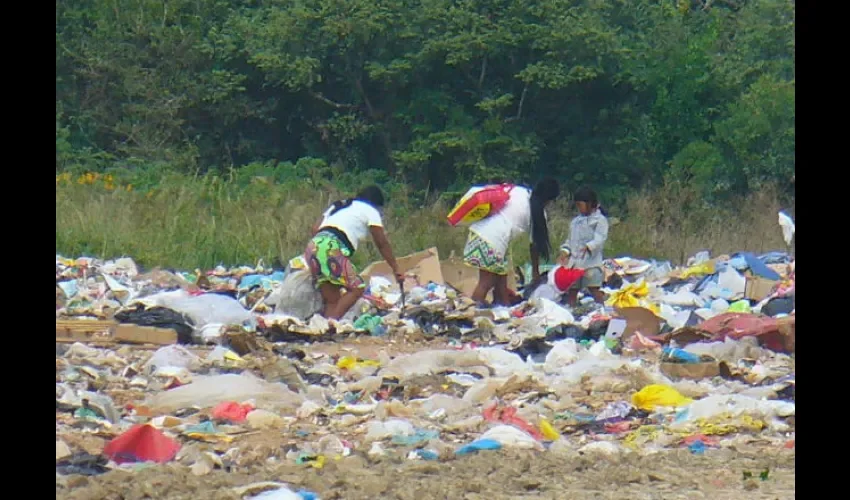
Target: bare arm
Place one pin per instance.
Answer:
(316, 227)
(383, 245)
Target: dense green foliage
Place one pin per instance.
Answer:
(433, 93)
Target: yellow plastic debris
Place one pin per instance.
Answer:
(712, 426)
(633, 295)
(209, 438)
(641, 435)
(233, 357)
(699, 270)
(349, 363)
(655, 395)
(548, 431)
(318, 463)
(629, 295)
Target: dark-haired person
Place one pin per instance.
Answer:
(487, 245)
(584, 245)
(335, 238)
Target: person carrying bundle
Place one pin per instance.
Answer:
(495, 216)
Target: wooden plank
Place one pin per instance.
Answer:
(134, 334)
(84, 330)
(96, 331)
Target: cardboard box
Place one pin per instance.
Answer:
(426, 266)
(423, 266)
(465, 278)
(788, 329)
(758, 288)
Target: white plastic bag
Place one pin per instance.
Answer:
(172, 356)
(549, 314)
(377, 430)
(563, 353)
(298, 295)
(283, 493)
(434, 361)
(733, 405)
(504, 363)
(788, 227)
(201, 309)
(511, 437)
(732, 280)
(209, 391)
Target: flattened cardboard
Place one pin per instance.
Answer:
(465, 278)
(639, 319)
(757, 288)
(426, 266)
(423, 266)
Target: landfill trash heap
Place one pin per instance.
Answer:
(699, 356)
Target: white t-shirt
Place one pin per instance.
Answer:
(353, 220)
(514, 219)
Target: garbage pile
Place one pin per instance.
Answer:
(699, 357)
(738, 295)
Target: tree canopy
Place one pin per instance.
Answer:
(433, 93)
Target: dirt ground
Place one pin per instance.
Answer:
(489, 475)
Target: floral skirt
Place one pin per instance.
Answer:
(480, 254)
(328, 259)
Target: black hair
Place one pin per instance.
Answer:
(546, 190)
(588, 195)
(370, 194)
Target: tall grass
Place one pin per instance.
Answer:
(200, 223)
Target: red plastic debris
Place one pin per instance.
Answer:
(618, 427)
(232, 411)
(564, 278)
(508, 416)
(708, 441)
(142, 443)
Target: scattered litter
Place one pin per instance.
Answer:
(677, 358)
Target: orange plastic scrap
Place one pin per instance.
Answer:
(232, 411)
(494, 413)
(708, 441)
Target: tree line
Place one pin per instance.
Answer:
(433, 93)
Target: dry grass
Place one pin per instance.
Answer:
(202, 223)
